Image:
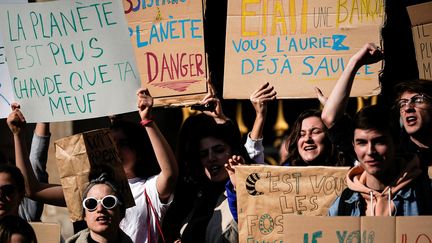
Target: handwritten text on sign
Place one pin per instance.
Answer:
(70, 60)
(6, 95)
(267, 194)
(168, 39)
(298, 44)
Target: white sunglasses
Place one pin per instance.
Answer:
(108, 202)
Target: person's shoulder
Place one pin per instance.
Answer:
(79, 237)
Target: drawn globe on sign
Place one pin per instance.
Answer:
(251, 180)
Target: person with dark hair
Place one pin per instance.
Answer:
(152, 193)
(203, 149)
(103, 209)
(383, 183)
(16, 229)
(200, 212)
(309, 143)
(413, 100)
(11, 189)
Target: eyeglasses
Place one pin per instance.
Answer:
(108, 202)
(7, 190)
(416, 100)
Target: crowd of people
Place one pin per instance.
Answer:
(190, 195)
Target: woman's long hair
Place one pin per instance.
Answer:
(329, 157)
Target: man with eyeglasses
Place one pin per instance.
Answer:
(413, 100)
(384, 183)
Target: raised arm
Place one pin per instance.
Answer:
(39, 151)
(259, 99)
(338, 99)
(167, 178)
(43, 192)
(29, 209)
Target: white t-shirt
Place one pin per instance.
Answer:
(134, 223)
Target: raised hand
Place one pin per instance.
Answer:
(230, 167)
(322, 99)
(261, 96)
(211, 100)
(145, 103)
(16, 120)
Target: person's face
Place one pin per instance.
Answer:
(18, 238)
(214, 153)
(311, 141)
(10, 198)
(127, 154)
(375, 151)
(416, 116)
(102, 221)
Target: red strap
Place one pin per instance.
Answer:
(149, 236)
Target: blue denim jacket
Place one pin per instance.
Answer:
(405, 202)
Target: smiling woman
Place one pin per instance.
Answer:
(309, 143)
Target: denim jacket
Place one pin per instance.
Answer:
(405, 201)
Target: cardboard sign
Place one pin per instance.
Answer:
(6, 95)
(378, 229)
(70, 60)
(308, 229)
(270, 193)
(421, 21)
(414, 229)
(168, 40)
(46, 232)
(297, 45)
(85, 153)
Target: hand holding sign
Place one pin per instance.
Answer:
(16, 120)
(230, 167)
(212, 101)
(145, 104)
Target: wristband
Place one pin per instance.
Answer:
(145, 122)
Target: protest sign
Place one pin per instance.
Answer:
(70, 60)
(416, 229)
(46, 232)
(84, 154)
(421, 21)
(297, 45)
(308, 229)
(6, 95)
(168, 40)
(378, 229)
(267, 194)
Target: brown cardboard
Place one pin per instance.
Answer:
(421, 21)
(321, 229)
(271, 193)
(271, 32)
(378, 229)
(46, 232)
(170, 85)
(79, 155)
(414, 229)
